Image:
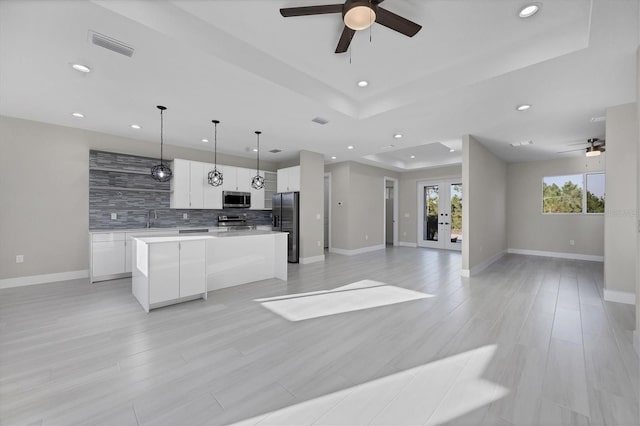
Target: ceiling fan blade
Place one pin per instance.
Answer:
(396, 22)
(571, 150)
(345, 40)
(311, 10)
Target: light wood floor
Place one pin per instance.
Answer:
(529, 341)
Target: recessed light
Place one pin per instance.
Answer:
(78, 115)
(452, 150)
(413, 156)
(523, 107)
(255, 149)
(334, 157)
(350, 147)
(363, 83)
(81, 68)
(205, 140)
(529, 10)
(136, 126)
(397, 136)
(598, 119)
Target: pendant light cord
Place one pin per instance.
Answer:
(161, 133)
(258, 155)
(215, 144)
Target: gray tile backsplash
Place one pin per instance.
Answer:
(134, 197)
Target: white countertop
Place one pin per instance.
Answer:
(204, 236)
(157, 230)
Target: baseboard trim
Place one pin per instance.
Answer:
(475, 270)
(560, 255)
(405, 244)
(312, 259)
(619, 296)
(357, 251)
(44, 278)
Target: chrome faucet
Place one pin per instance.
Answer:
(155, 217)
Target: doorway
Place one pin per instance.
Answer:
(440, 214)
(327, 210)
(390, 229)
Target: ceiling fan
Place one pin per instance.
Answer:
(357, 15)
(595, 148)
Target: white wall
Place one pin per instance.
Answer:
(636, 340)
(528, 229)
(44, 183)
(621, 194)
(484, 223)
(311, 206)
(358, 222)
(408, 199)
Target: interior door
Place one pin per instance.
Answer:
(440, 215)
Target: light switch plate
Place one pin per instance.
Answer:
(20, 258)
(185, 215)
(114, 216)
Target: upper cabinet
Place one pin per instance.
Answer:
(190, 187)
(187, 191)
(289, 179)
(212, 195)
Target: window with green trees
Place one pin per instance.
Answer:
(566, 194)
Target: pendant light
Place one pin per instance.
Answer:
(257, 182)
(160, 172)
(215, 176)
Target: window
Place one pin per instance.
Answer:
(595, 193)
(566, 194)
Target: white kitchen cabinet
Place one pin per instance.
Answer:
(180, 184)
(237, 178)
(129, 236)
(164, 272)
(196, 186)
(230, 179)
(243, 180)
(107, 255)
(169, 270)
(289, 179)
(187, 189)
(212, 195)
(193, 267)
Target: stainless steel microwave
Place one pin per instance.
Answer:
(234, 199)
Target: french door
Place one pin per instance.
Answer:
(440, 214)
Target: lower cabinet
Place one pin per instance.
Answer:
(168, 272)
(107, 255)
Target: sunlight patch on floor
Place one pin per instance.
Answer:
(432, 393)
(356, 296)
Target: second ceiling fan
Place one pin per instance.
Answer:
(357, 15)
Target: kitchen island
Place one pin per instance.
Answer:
(176, 268)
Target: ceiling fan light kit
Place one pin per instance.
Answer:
(357, 15)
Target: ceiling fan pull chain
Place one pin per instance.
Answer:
(370, 20)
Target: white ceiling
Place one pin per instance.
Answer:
(242, 63)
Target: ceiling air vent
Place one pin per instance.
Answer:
(110, 43)
(320, 120)
(275, 151)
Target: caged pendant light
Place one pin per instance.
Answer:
(160, 172)
(215, 176)
(257, 182)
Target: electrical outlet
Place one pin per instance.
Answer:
(404, 234)
(20, 258)
(114, 216)
(572, 243)
(318, 243)
(366, 237)
(318, 216)
(185, 216)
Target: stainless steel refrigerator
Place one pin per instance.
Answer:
(286, 218)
